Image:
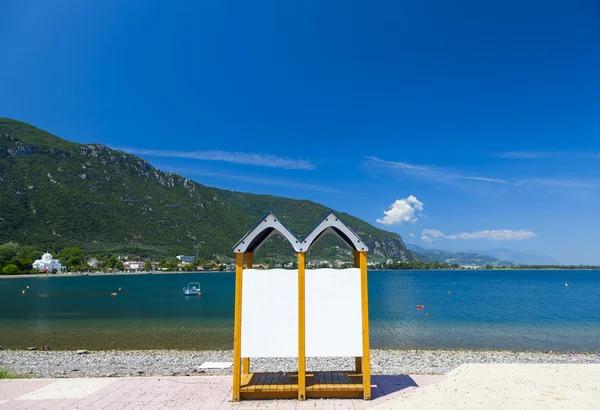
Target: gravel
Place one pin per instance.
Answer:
(181, 363)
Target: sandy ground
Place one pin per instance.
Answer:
(508, 386)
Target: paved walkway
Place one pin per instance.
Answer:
(206, 392)
(471, 386)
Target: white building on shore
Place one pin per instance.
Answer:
(47, 264)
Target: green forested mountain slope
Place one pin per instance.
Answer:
(55, 193)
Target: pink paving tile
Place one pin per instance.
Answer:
(169, 391)
(323, 403)
(306, 404)
(29, 404)
(343, 405)
(10, 389)
(122, 396)
(147, 397)
(286, 404)
(141, 393)
(103, 392)
(61, 405)
(266, 405)
(131, 394)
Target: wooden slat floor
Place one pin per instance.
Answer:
(315, 381)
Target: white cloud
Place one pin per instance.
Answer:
(436, 174)
(522, 154)
(257, 180)
(494, 235)
(247, 158)
(429, 235)
(412, 235)
(553, 182)
(547, 154)
(403, 210)
(433, 173)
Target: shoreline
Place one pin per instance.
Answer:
(139, 363)
(75, 274)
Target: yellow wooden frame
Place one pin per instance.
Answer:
(237, 328)
(246, 360)
(366, 359)
(301, 327)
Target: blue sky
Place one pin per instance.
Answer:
(477, 122)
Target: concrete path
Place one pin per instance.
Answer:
(206, 392)
(471, 386)
(509, 386)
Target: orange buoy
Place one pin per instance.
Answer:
(448, 292)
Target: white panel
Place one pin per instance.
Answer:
(270, 313)
(333, 313)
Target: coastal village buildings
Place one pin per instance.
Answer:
(47, 264)
(94, 263)
(184, 258)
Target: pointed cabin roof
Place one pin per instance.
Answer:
(266, 227)
(332, 224)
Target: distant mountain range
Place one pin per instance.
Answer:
(521, 257)
(56, 193)
(462, 258)
(494, 257)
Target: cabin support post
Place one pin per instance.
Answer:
(246, 360)
(357, 360)
(366, 359)
(237, 328)
(301, 327)
(358, 365)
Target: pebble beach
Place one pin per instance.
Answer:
(131, 363)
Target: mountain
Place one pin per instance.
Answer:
(522, 258)
(56, 193)
(462, 258)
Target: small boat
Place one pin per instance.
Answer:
(193, 289)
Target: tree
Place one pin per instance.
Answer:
(10, 269)
(8, 251)
(172, 264)
(71, 257)
(147, 266)
(113, 263)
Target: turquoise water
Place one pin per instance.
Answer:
(522, 310)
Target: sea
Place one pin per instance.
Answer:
(524, 310)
